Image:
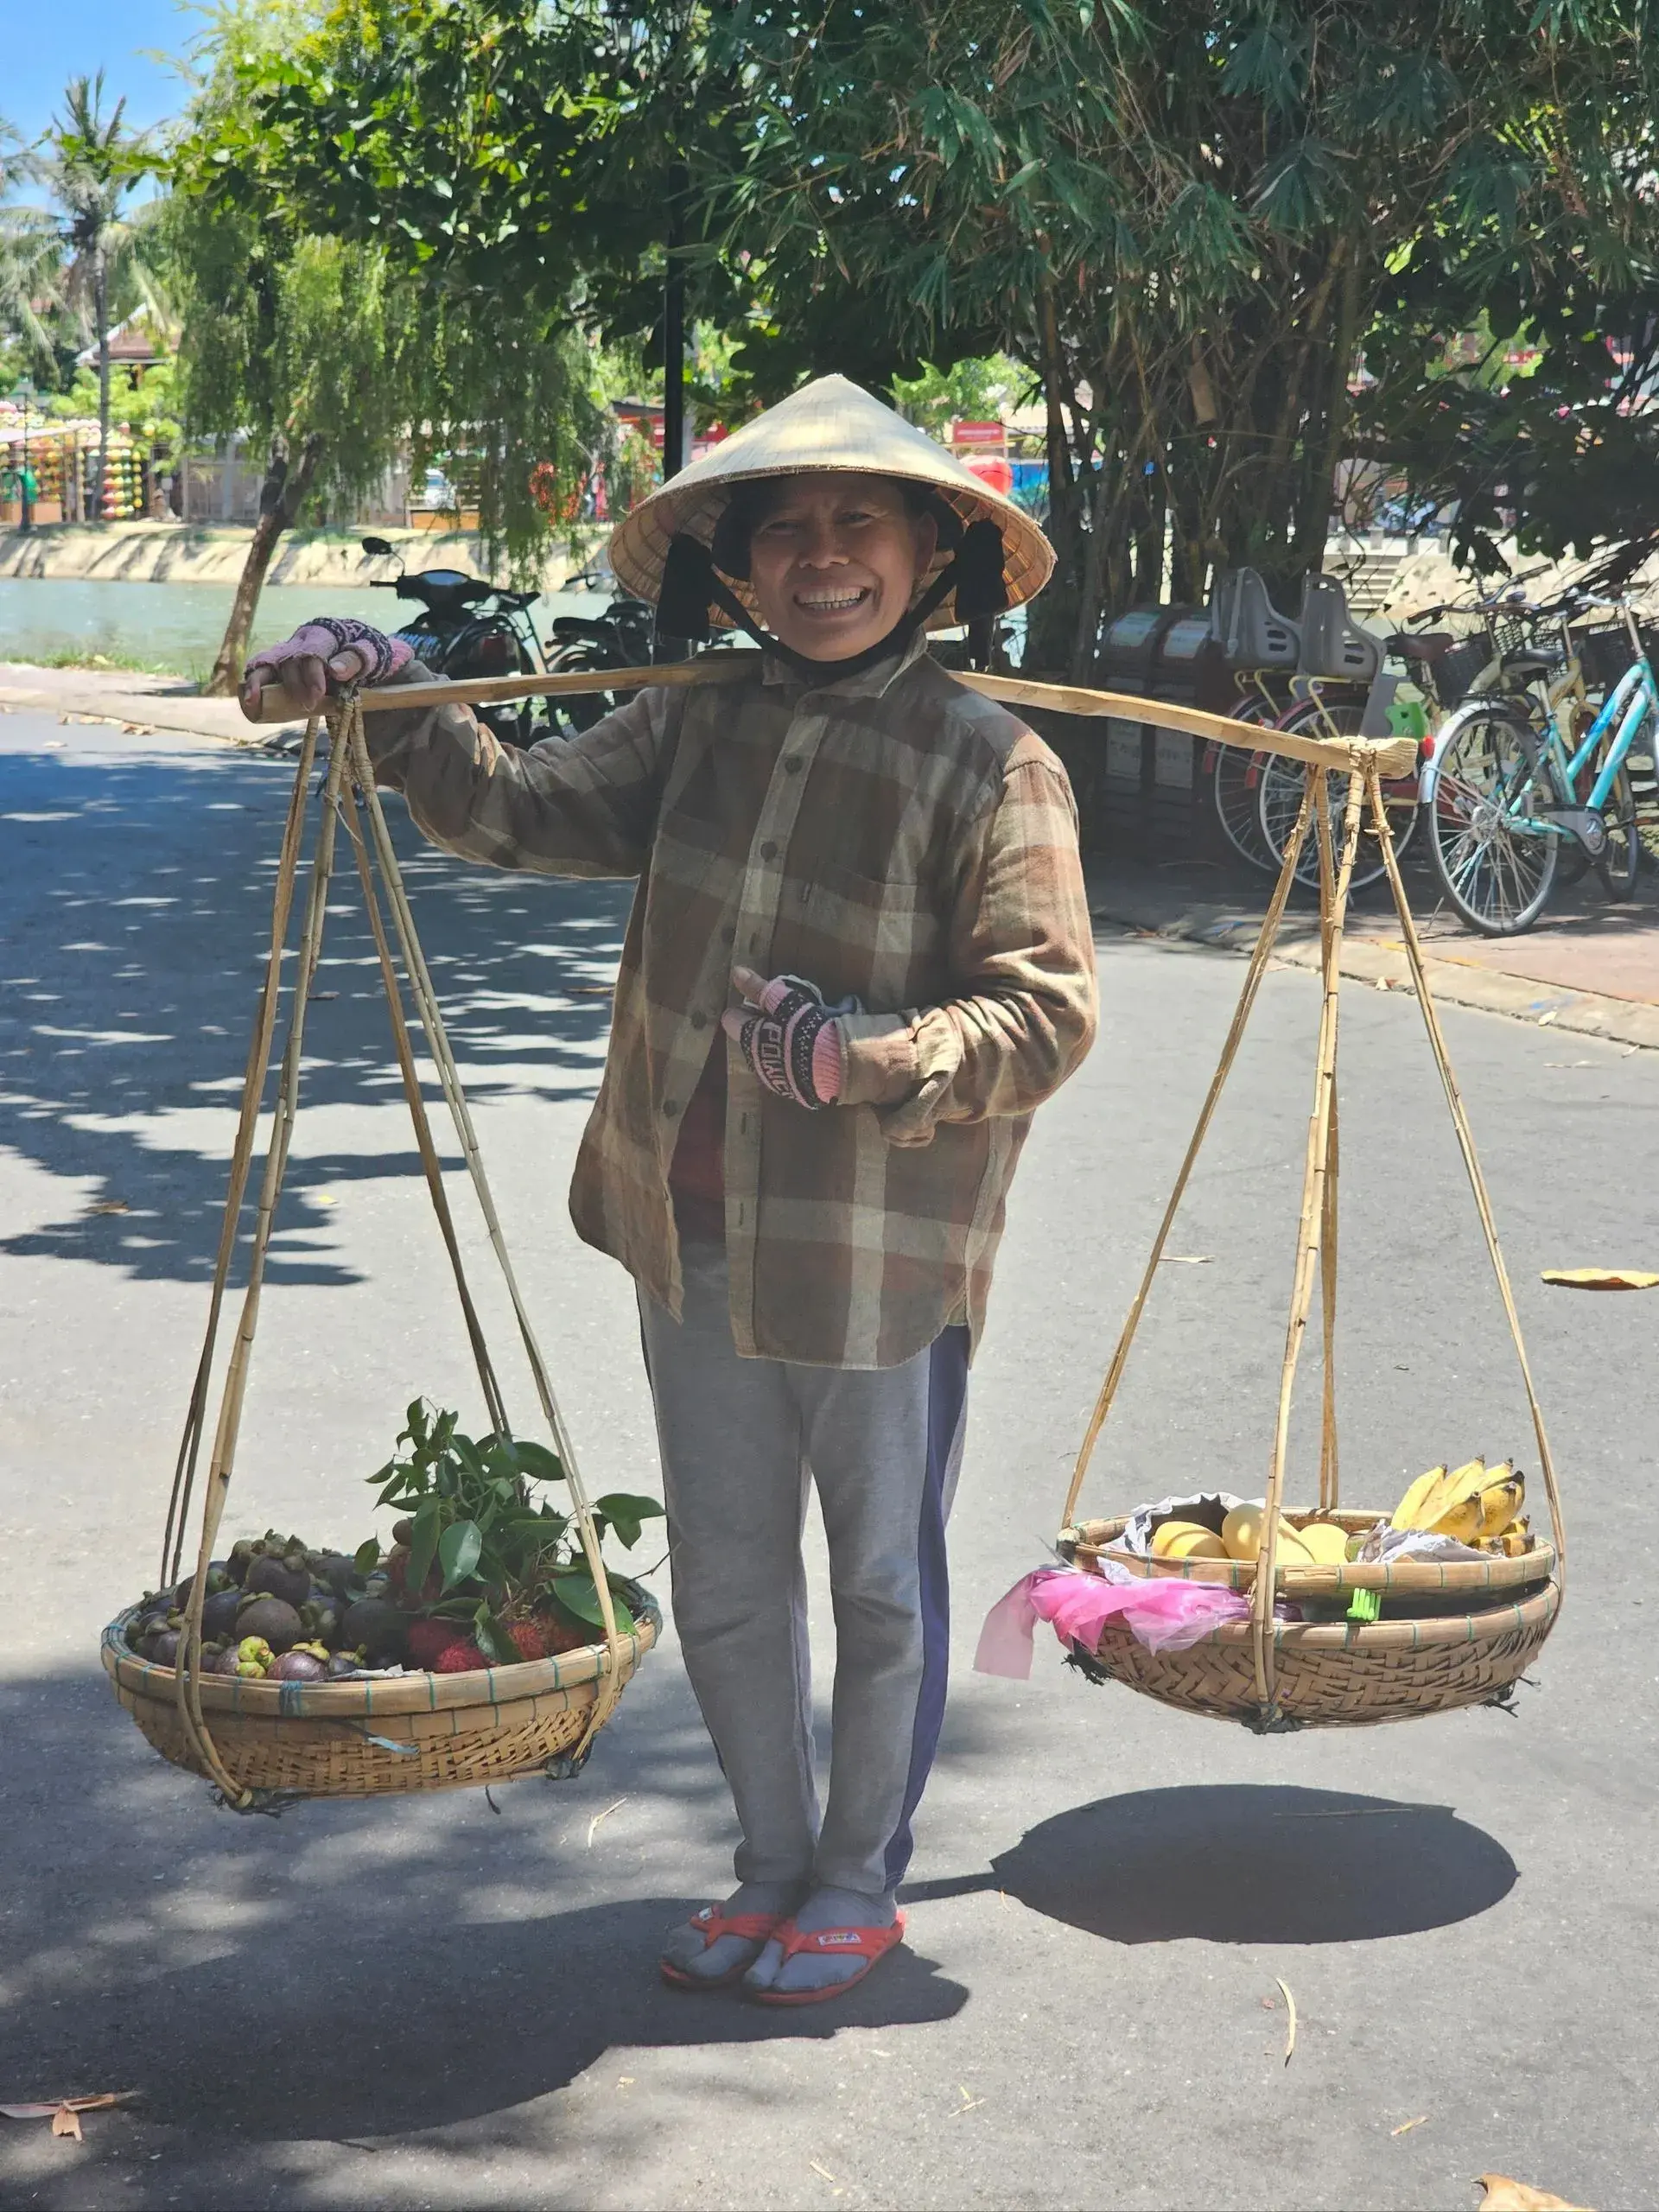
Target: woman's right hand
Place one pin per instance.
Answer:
(319, 661)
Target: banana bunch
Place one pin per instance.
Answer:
(1475, 1504)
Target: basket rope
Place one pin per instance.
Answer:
(1316, 1245)
(348, 765)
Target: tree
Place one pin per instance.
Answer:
(1184, 222)
(90, 165)
(31, 262)
(334, 346)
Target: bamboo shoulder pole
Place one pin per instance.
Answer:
(1394, 757)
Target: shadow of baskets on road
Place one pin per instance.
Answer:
(1241, 1863)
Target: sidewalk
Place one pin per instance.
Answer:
(138, 703)
(1592, 967)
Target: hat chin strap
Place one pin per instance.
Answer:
(691, 584)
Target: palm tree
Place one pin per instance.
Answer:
(92, 162)
(31, 256)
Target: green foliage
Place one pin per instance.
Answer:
(298, 320)
(1182, 223)
(497, 1546)
(976, 391)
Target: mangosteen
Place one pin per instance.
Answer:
(218, 1577)
(163, 1650)
(148, 1624)
(241, 1559)
(297, 1666)
(223, 1661)
(381, 1630)
(288, 1578)
(218, 1613)
(342, 1663)
(334, 1570)
(322, 1618)
(278, 1622)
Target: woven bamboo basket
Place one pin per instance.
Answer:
(265, 1744)
(369, 1737)
(1475, 1624)
(1341, 1676)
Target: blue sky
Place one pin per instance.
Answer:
(45, 43)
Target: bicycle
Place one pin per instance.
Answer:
(1505, 788)
(1261, 647)
(1336, 681)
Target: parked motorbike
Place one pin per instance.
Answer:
(469, 627)
(622, 637)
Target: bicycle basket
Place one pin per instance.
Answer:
(1605, 654)
(1453, 673)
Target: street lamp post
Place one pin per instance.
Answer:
(22, 392)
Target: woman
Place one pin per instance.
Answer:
(859, 956)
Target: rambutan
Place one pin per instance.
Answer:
(460, 1657)
(427, 1638)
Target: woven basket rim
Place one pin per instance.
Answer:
(1423, 1576)
(1485, 1626)
(484, 1688)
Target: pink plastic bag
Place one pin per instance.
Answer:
(1163, 1614)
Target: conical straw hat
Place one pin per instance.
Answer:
(828, 425)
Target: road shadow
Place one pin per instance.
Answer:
(358, 1969)
(134, 918)
(1239, 1863)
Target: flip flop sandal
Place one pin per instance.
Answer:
(866, 1943)
(711, 1924)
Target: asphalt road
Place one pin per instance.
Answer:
(435, 2004)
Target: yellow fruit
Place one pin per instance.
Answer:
(1406, 1513)
(1478, 1501)
(1500, 1505)
(1516, 1543)
(1186, 1540)
(1327, 1543)
(1240, 1532)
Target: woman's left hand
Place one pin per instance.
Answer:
(788, 1036)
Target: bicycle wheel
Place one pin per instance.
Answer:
(1620, 864)
(1235, 783)
(1490, 786)
(1280, 800)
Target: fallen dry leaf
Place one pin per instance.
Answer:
(1406, 2126)
(1186, 1259)
(1504, 2195)
(1600, 1278)
(108, 1205)
(1290, 2025)
(64, 2113)
(1544, 1020)
(593, 1824)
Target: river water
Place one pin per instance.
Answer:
(178, 626)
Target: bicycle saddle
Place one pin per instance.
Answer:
(1431, 645)
(1531, 660)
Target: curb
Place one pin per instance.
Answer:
(1383, 963)
(140, 713)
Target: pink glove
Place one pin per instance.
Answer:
(788, 1036)
(320, 659)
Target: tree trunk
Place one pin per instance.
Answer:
(281, 497)
(101, 319)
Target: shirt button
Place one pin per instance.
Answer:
(671, 1107)
(792, 764)
(699, 1019)
(768, 851)
(729, 934)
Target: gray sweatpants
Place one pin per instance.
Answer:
(740, 1439)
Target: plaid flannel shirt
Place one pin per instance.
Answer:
(896, 838)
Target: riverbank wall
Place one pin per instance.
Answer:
(182, 553)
